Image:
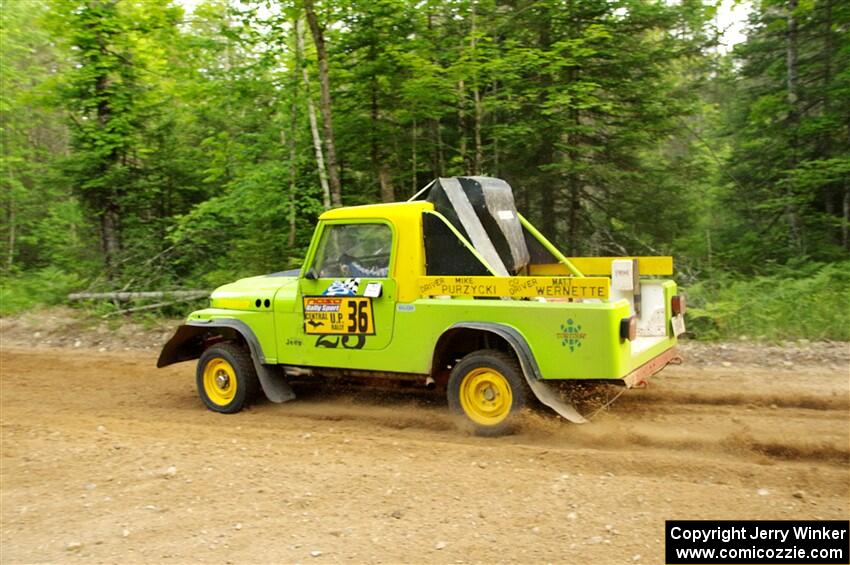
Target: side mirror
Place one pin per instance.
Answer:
(311, 274)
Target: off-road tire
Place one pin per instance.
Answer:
(244, 375)
(487, 363)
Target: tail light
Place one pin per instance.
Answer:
(677, 304)
(628, 328)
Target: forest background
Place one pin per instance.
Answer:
(146, 146)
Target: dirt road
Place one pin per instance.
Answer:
(107, 459)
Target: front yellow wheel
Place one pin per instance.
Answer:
(226, 378)
(488, 388)
(485, 396)
(220, 381)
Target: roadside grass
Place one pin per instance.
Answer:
(813, 303)
(44, 287)
(20, 292)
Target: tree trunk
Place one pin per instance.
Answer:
(384, 178)
(546, 191)
(439, 162)
(327, 118)
(574, 189)
(479, 150)
(573, 179)
(414, 164)
(575, 207)
(831, 193)
(10, 258)
(311, 113)
(793, 97)
(461, 120)
(494, 131)
(105, 201)
(791, 57)
(290, 143)
(378, 159)
(124, 296)
(476, 94)
(845, 226)
(110, 237)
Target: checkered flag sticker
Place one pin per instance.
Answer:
(343, 288)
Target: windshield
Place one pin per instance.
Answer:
(354, 250)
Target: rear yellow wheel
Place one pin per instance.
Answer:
(488, 388)
(226, 378)
(485, 396)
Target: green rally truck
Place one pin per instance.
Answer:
(452, 289)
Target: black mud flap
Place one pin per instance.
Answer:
(186, 344)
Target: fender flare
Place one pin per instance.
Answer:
(184, 346)
(515, 339)
(528, 364)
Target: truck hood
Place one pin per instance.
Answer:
(252, 293)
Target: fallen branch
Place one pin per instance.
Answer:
(125, 296)
(147, 307)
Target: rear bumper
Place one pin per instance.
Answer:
(640, 376)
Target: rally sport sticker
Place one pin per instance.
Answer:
(338, 315)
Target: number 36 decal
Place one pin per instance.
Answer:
(338, 315)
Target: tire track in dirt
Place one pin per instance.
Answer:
(788, 400)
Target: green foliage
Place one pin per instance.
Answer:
(40, 221)
(221, 234)
(786, 192)
(812, 302)
(146, 148)
(46, 286)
